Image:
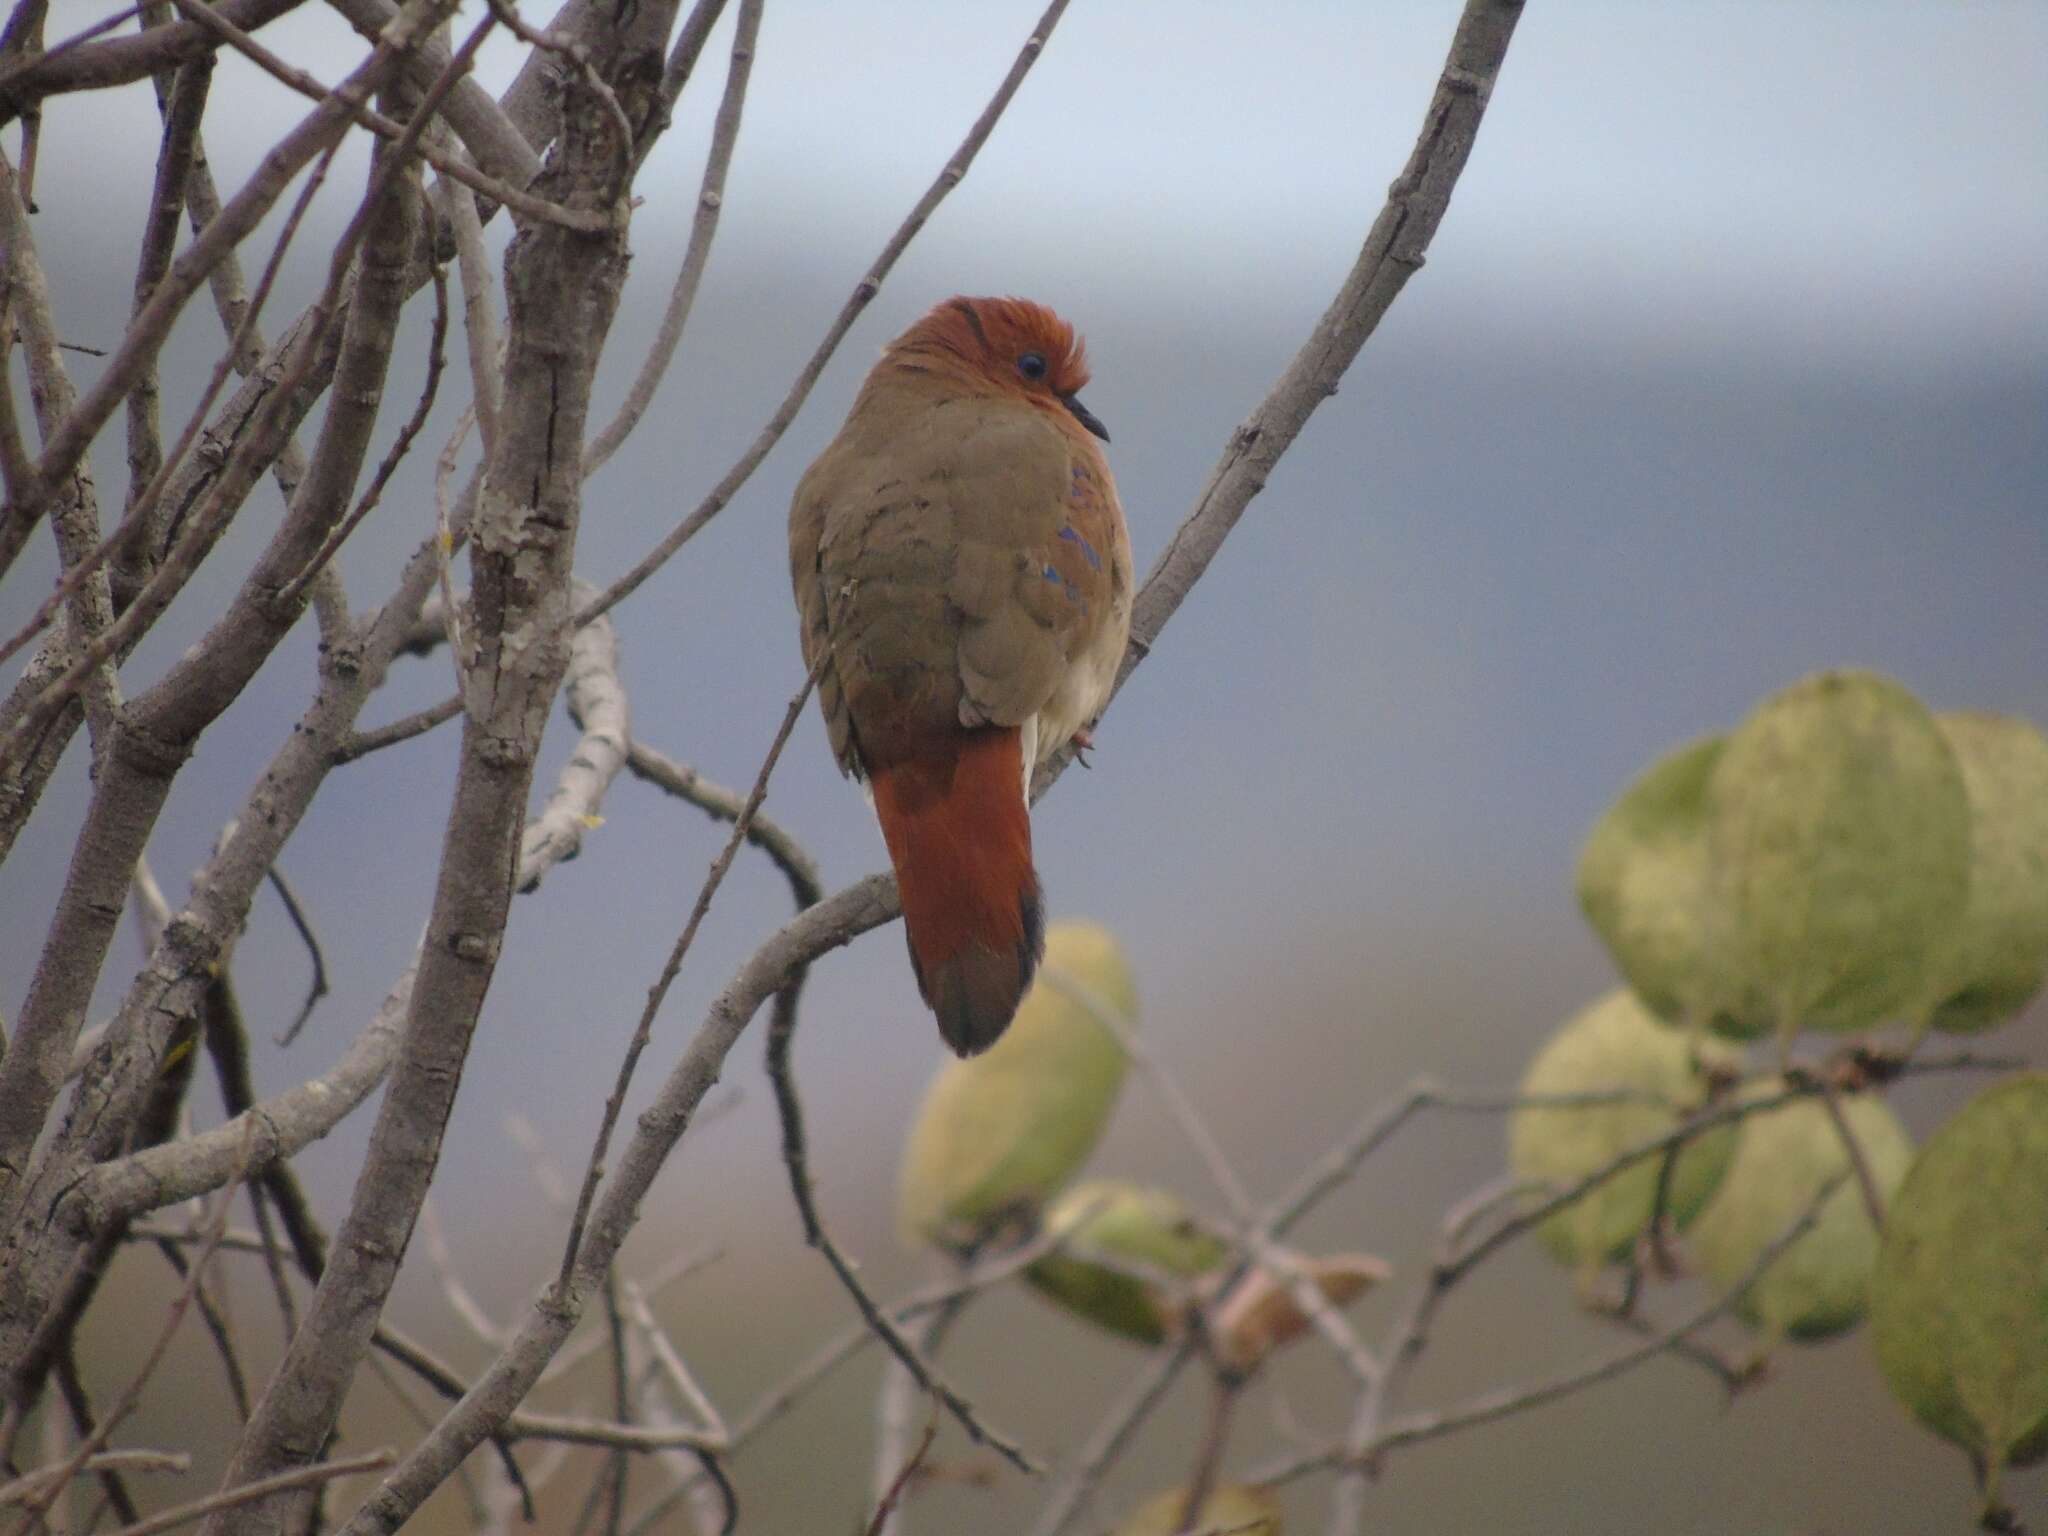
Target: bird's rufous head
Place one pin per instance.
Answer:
(1012, 345)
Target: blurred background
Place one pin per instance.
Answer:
(1730, 362)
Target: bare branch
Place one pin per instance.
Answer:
(157, 728)
(302, 925)
(182, 108)
(279, 1127)
(598, 706)
(563, 289)
(509, 1377)
(453, 166)
(360, 744)
(84, 65)
(619, 1437)
(691, 37)
(122, 546)
(891, 1500)
(500, 138)
(479, 319)
(131, 1394)
(83, 591)
(71, 1386)
(1866, 1181)
(22, 1488)
(284, 1482)
(317, 133)
(437, 357)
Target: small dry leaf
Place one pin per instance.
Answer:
(1261, 1313)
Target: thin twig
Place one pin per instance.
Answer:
(418, 723)
(482, 341)
(71, 1386)
(131, 1394)
(437, 339)
(782, 1074)
(1209, 1451)
(22, 1488)
(283, 1482)
(1147, 1392)
(623, 1437)
(669, 1364)
(205, 523)
(771, 837)
(725, 132)
(450, 165)
(218, 1330)
(181, 106)
(577, 53)
(1866, 1181)
(303, 926)
(892, 1496)
(895, 1399)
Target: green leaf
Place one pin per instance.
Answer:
(1000, 1133)
(1616, 1045)
(1997, 957)
(1839, 857)
(1643, 874)
(1959, 1305)
(1114, 1236)
(1783, 1159)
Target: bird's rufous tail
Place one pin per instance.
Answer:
(959, 834)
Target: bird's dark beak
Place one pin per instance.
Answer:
(1085, 416)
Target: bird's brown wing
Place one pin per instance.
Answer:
(953, 558)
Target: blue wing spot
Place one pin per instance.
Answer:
(1051, 575)
(1087, 550)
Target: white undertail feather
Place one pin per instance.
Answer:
(1029, 733)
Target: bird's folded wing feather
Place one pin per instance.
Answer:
(954, 566)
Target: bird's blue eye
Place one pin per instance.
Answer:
(1032, 365)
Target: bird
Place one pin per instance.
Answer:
(963, 583)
